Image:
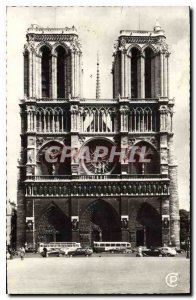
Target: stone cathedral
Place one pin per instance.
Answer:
(82, 201)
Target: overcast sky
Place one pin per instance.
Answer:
(98, 29)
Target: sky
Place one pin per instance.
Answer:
(98, 29)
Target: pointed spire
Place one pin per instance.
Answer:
(98, 79)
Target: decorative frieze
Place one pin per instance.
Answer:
(59, 189)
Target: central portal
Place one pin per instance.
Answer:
(99, 222)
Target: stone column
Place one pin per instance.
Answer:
(28, 121)
(122, 74)
(174, 200)
(33, 74)
(77, 74)
(165, 222)
(38, 77)
(167, 59)
(162, 74)
(129, 77)
(165, 76)
(157, 75)
(153, 77)
(141, 78)
(30, 74)
(34, 121)
(54, 76)
(125, 75)
(124, 211)
(72, 74)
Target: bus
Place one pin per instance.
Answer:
(63, 246)
(112, 247)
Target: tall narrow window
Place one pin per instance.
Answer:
(148, 72)
(134, 57)
(60, 72)
(46, 57)
(26, 73)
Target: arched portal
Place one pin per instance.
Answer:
(150, 233)
(99, 222)
(53, 226)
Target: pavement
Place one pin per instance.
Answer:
(99, 274)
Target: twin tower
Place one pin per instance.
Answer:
(82, 201)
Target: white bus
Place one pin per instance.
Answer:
(64, 246)
(111, 247)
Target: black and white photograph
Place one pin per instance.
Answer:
(98, 150)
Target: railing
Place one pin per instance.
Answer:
(97, 177)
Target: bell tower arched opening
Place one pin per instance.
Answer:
(60, 72)
(45, 71)
(134, 72)
(148, 72)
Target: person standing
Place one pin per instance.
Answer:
(44, 252)
(22, 253)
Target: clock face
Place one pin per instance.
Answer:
(101, 165)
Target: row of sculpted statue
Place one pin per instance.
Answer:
(89, 189)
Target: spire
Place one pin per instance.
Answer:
(98, 80)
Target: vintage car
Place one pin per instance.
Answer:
(81, 252)
(168, 251)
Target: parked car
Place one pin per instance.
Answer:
(168, 251)
(178, 250)
(80, 252)
(152, 252)
(54, 252)
(30, 250)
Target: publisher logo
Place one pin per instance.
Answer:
(171, 280)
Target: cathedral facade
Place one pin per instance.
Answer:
(108, 200)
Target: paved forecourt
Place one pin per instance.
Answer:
(98, 275)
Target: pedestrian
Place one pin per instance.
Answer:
(44, 252)
(22, 253)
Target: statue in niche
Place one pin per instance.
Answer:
(75, 224)
(105, 189)
(53, 169)
(74, 189)
(40, 190)
(59, 190)
(129, 189)
(154, 188)
(54, 190)
(134, 189)
(79, 190)
(139, 188)
(49, 190)
(45, 190)
(99, 189)
(143, 189)
(118, 190)
(84, 189)
(149, 189)
(34, 190)
(165, 189)
(124, 189)
(124, 223)
(109, 189)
